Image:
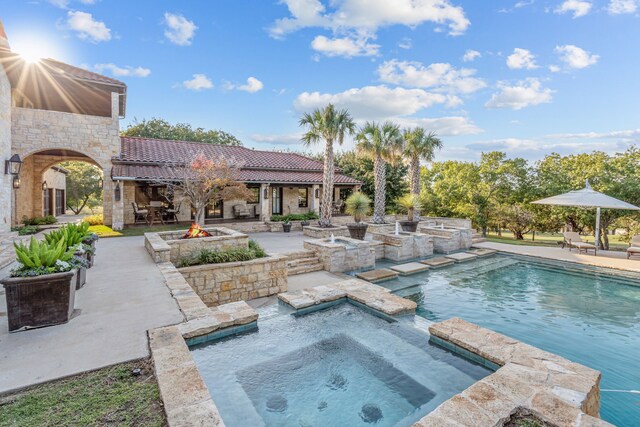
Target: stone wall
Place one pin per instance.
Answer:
(405, 246)
(448, 240)
(321, 232)
(218, 284)
(97, 138)
(5, 152)
(345, 254)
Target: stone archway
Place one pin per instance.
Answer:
(29, 197)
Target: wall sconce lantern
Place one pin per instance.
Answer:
(116, 192)
(16, 182)
(101, 183)
(266, 194)
(13, 165)
(44, 185)
(317, 193)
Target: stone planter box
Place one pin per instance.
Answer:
(219, 284)
(345, 254)
(35, 302)
(324, 232)
(405, 245)
(381, 228)
(276, 227)
(169, 246)
(447, 240)
(81, 277)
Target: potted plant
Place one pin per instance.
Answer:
(41, 290)
(286, 225)
(90, 240)
(409, 203)
(358, 205)
(80, 264)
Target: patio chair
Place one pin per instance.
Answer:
(140, 215)
(172, 214)
(634, 246)
(337, 206)
(241, 211)
(573, 240)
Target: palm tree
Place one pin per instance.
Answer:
(381, 143)
(330, 125)
(418, 145)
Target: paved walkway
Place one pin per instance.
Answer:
(611, 259)
(125, 295)
(278, 243)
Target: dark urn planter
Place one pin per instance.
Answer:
(411, 226)
(81, 277)
(305, 223)
(34, 302)
(357, 230)
(90, 257)
(286, 227)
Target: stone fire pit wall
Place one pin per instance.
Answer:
(448, 239)
(346, 254)
(405, 245)
(169, 246)
(219, 284)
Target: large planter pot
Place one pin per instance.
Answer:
(81, 277)
(411, 226)
(34, 302)
(90, 258)
(357, 230)
(305, 223)
(286, 227)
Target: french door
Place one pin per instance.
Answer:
(276, 201)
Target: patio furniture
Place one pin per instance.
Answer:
(634, 246)
(241, 211)
(140, 215)
(171, 215)
(155, 213)
(573, 240)
(337, 206)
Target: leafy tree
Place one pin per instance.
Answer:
(84, 187)
(382, 144)
(418, 145)
(361, 168)
(161, 129)
(330, 125)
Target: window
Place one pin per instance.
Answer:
(303, 197)
(255, 195)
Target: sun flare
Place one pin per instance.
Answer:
(33, 48)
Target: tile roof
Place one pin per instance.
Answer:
(147, 158)
(78, 73)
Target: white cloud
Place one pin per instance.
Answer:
(524, 94)
(253, 85)
(64, 4)
(554, 68)
(344, 46)
(575, 57)
(441, 77)
(443, 126)
(277, 139)
(405, 43)
(179, 29)
(87, 27)
(577, 7)
(367, 16)
(521, 58)
(123, 71)
(375, 102)
(471, 55)
(198, 82)
(618, 7)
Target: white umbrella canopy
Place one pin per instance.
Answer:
(588, 198)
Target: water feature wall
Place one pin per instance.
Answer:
(404, 245)
(447, 239)
(343, 254)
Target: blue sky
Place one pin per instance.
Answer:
(527, 77)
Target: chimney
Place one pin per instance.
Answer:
(4, 40)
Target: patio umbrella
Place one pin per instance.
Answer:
(588, 198)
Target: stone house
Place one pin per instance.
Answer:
(51, 112)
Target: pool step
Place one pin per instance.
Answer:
(303, 262)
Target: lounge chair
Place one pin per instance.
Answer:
(573, 240)
(241, 211)
(140, 215)
(634, 246)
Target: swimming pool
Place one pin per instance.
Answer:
(338, 366)
(588, 315)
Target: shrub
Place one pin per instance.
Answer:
(358, 205)
(96, 219)
(409, 203)
(26, 230)
(104, 231)
(40, 220)
(42, 257)
(72, 234)
(295, 217)
(207, 256)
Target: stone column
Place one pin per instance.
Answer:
(265, 204)
(117, 212)
(314, 202)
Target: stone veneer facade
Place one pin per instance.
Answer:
(405, 245)
(219, 284)
(447, 240)
(345, 254)
(5, 152)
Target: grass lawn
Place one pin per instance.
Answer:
(106, 397)
(552, 239)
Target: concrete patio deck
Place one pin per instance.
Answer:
(125, 296)
(610, 259)
(278, 243)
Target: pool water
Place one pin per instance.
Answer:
(587, 315)
(338, 366)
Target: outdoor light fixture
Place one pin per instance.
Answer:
(44, 185)
(116, 192)
(266, 194)
(16, 181)
(13, 165)
(101, 183)
(317, 193)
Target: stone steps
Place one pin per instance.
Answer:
(305, 269)
(304, 261)
(477, 238)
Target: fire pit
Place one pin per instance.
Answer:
(196, 231)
